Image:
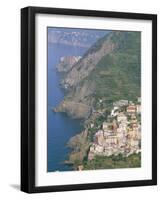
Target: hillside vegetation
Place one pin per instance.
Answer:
(110, 70)
(117, 75)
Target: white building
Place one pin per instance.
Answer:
(105, 126)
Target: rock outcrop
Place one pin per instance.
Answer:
(74, 109)
(80, 146)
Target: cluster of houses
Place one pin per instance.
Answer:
(122, 134)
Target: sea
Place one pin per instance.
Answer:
(60, 127)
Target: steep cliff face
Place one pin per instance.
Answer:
(78, 103)
(110, 70)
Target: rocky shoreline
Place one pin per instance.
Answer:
(74, 109)
(79, 145)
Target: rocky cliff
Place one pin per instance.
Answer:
(109, 70)
(78, 102)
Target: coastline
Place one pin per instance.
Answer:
(60, 127)
(81, 157)
(108, 105)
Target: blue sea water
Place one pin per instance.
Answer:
(60, 127)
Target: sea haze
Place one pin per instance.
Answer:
(74, 37)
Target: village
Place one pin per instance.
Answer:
(120, 133)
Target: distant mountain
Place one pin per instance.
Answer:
(67, 62)
(110, 70)
(74, 37)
